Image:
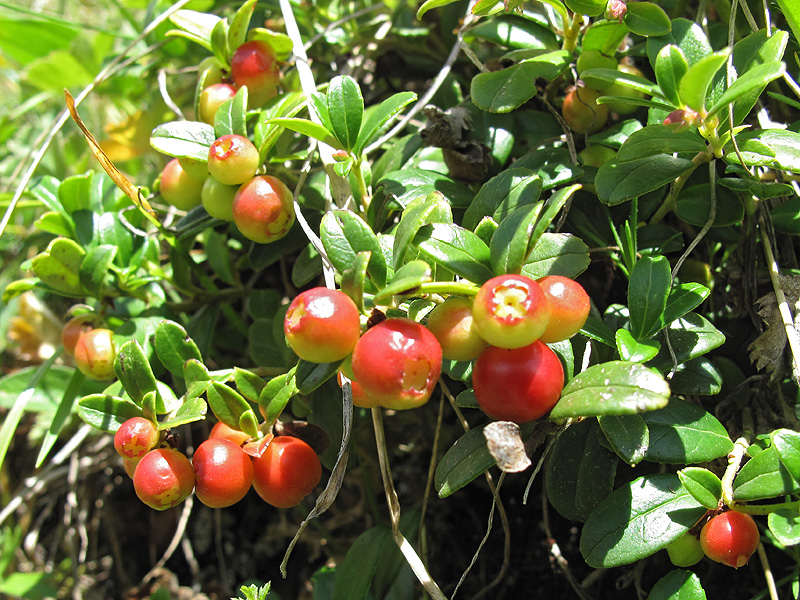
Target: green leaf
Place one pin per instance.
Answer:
(635, 351)
(190, 410)
(628, 436)
(505, 90)
(787, 444)
(62, 414)
(355, 573)
(344, 234)
(605, 36)
(237, 33)
(638, 519)
(465, 460)
(596, 330)
(502, 194)
(694, 85)
(690, 336)
(670, 67)
(174, 347)
(648, 288)
(404, 185)
(580, 472)
(345, 109)
(378, 116)
(764, 476)
(513, 31)
(646, 19)
(597, 77)
(684, 298)
(195, 26)
(612, 388)
(354, 279)
(219, 42)
(183, 139)
(231, 116)
(106, 412)
(248, 383)
(591, 8)
(94, 268)
(654, 140)
(406, 280)
(266, 133)
(619, 182)
(430, 5)
(686, 35)
(227, 405)
(510, 242)
(703, 485)
(59, 266)
(774, 148)
(276, 395)
(457, 249)
(134, 372)
(425, 210)
(557, 254)
(698, 377)
(678, 585)
(684, 433)
(785, 525)
(307, 128)
(280, 43)
(755, 78)
(309, 376)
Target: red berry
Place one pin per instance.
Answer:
(569, 307)
(73, 330)
(519, 384)
(178, 188)
(263, 209)
(453, 325)
(223, 471)
(397, 363)
(322, 325)
(163, 478)
(581, 111)
(286, 472)
(223, 432)
(510, 311)
(253, 64)
(95, 354)
(212, 98)
(730, 538)
(135, 437)
(232, 160)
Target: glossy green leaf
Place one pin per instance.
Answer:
(248, 383)
(276, 395)
(280, 43)
(703, 485)
(595, 77)
(764, 476)
(670, 67)
(510, 243)
(377, 117)
(785, 525)
(345, 109)
(308, 128)
(684, 298)
(183, 139)
(355, 279)
(219, 41)
(231, 116)
(344, 234)
(612, 388)
(552, 165)
(787, 444)
(134, 372)
(465, 460)
(425, 210)
(635, 351)
(686, 35)
(59, 266)
(596, 330)
(405, 281)
(619, 182)
(191, 410)
(226, 404)
(266, 133)
(684, 433)
(557, 254)
(513, 31)
(605, 36)
(774, 148)
(237, 32)
(174, 347)
(698, 377)
(430, 5)
(358, 567)
(94, 268)
(65, 408)
(502, 194)
(678, 585)
(580, 472)
(646, 19)
(694, 85)
(57, 223)
(654, 140)
(755, 78)
(195, 26)
(638, 519)
(309, 376)
(106, 412)
(628, 436)
(591, 8)
(457, 249)
(648, 288)
(505, 90)
(690, 336)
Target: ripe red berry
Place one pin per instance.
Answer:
(163, 478)
(581, 111)
(452, 324)
(397, 363)
(95, 354)
(286, 472)
(178, 188)
(322, 325)
(263, 209)
(223, 471)
(510, 311)
(730, 538)
(519, 384)
(232, 160)
(223, 432)
(135, 437)
(73, 330)
(569, 307)
(211, 98)
(253, 64)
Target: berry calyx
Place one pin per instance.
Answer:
(163, 478)
(286, 472)
(510, 311)
(136, 437)
(223, 471)
(322, 325)
(730, 538)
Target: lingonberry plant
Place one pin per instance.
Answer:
(646, 149)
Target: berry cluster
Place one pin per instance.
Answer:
(227, 184)
(396, 363)
(220, 472)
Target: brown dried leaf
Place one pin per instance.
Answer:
(505, 444)
(768, 350)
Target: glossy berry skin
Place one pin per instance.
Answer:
(232, 159)
(286, 472)
(730, 538)
(73, 330)
(217, 199)
(452, 324)
(211, 98)
(510, 311)
(178, 188)
(263, 209)
(163, 478)
(322, 325)
(95, 354)
(569, 307)
(135, 437)
(253, 64)
(223, 473)
(519, 384)
(685, 551)
(581, 111)
(223, 432)
(397, 363)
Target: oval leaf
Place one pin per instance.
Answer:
(703, 485)
(466, 459)
(648, 288)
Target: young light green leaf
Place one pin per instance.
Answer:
(94, 268)
(703, 485)
(307, 128)
(190, 139)
(590, 8)
(226, 404)
(647, 19)
(431, 4)
(630, 349)
(648, 288)
(248, 383)
(406, 280)
(106, 412)
(195, 26)
(693, 87)
(755, 78)
(134, 372)
(59, 266)
(191, 410)
(219, 42)
(670, 68)
(346, 110)
(237, 33)
(231, 116)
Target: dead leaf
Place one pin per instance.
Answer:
(768, 350)
(505, 444)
